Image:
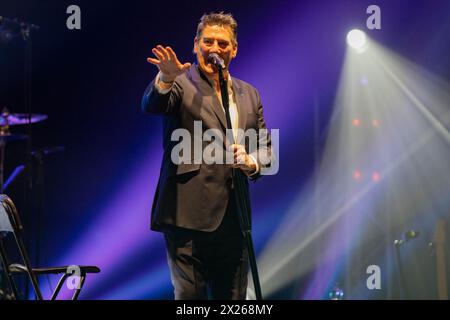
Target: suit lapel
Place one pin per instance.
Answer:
(210, 96)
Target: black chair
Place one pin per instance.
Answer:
(10, 224)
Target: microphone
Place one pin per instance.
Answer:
(216, 60)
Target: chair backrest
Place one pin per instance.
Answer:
(9, 217)
(10, 223)
(5, 224)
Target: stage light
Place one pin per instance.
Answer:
(320, 238)
(356, 122)
(364, 80)
(376, 176)
(357, 40)
(357, 175)
(411, 234)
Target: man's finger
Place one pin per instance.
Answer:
(164, 52)
(240, 159)
(240, 166)
(240, 152)
(158, 54)
(237, 155)
(153, 61)
(186, 66)
(171, 53)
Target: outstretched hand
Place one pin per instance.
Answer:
(168, 63)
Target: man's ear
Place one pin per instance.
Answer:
(195, 50)
(235, 49)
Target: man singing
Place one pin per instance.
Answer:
(194, 204)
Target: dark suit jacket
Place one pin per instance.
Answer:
(195, 196)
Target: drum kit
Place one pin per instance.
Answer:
(9, 30)
(7, 120)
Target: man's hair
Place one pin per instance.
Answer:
(218, 19)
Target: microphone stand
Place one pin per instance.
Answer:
(26, 35)
(404, 292)
(241, 195)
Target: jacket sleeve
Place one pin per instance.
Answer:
(155, 102)
(263, 154)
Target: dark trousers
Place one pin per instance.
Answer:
(209, 264)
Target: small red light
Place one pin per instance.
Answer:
(376, 176)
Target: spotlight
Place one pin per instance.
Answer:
(376, 176)
(364, 80)
(336, 293)
(408, 235)
(357, 40)
(411, 234)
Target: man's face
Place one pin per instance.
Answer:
(214, 39)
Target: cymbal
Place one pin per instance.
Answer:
(13, 119)
(7, 137)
